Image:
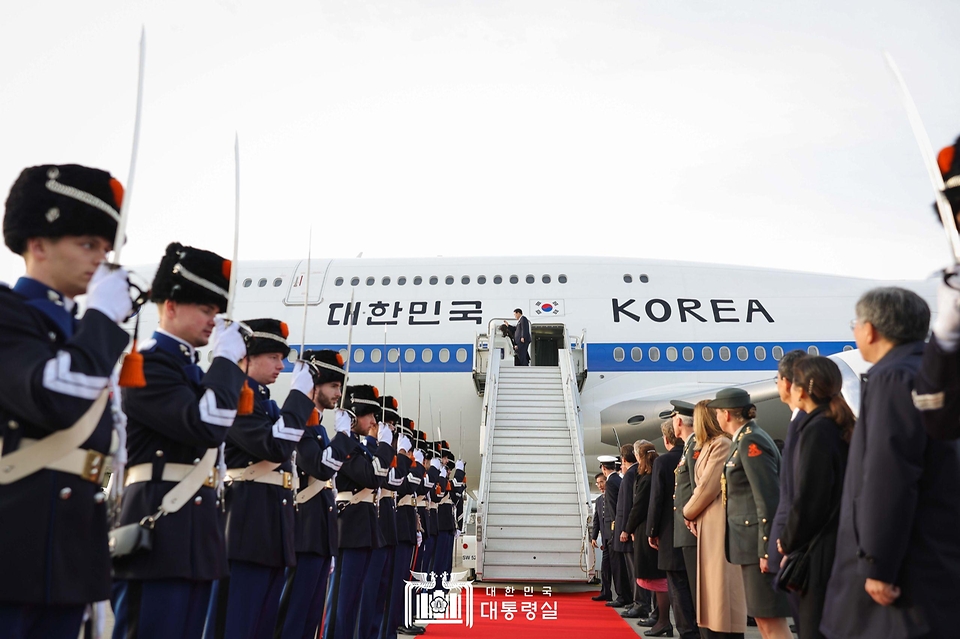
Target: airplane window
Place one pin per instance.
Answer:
(393, 355)
(725, 353)
(343, 354)
(409, 355)
(644, 279)
(654, 354)
(531, 279)
(433, 280)
(370, 281)
(742, 353)
(618, 354)
(627, 278)
(444, 355)
(277, 282)
(427, 355)
(292, 356)
(461, 355)
(262, 282)
(385, 281)
(514, 279)
(847, 348)
(358, 355)
(545, 279)
(401, 281)
(375, 355)
(339, 281)
(417, 280)
(562, 278)
(672, 353)
(777, 352)
(449, 280)
(497, 279)
(760, 353)
(636, 353)
(247, 282)
(687, 354)
(481, 279)
(813, 350)
(354, 281)
(465, 279)
(707, 354)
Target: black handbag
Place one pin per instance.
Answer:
(795, 573)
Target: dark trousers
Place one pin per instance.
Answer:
(301, 604)
(39, 621)
(425, 554)
(443, 556)
(244, 605)
(682, 602)
(632, 579)
(401, 573)
(621, 578)
(690, 563)
(605, 572)
(523, 354)
(160, 608)
(373, 600)
(343, 602)
(706, 633)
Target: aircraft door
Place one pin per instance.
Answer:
(298, 285)
(547, 340)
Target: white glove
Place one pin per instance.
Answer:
(443, 472)
(435, 463)
(384, 434)
(418, 456)
(109, 293)
(947, 325)
(404, 443)
(456, 534)
(344, 421)
(226, 341)
(419, 539)
(459, 465)
(302, 379)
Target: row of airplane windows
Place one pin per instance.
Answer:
(449, 280)
(706, 353)
(393, 354)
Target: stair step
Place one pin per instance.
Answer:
(531, 433)
(538, 574)
(528, 427)
(526, 497)
(534, 532)
(531, 471)
(570, 521)
(534, 558)
(547, 445)
(546, 485)
(533, 458)
(532, 545)
(531, 508)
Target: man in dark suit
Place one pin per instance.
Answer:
(622, 543)
(618, 568)
(597, 534)
(521, 336)
(897, 566)
(660, 533)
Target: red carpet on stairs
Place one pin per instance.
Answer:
(530, 616)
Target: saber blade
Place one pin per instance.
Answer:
(346, 369)
(232, 292)
(128, 190)
(306, 293)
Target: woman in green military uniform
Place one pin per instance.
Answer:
(751, 491)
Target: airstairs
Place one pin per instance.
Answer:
(534, 513)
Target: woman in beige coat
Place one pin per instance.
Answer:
(721, 603)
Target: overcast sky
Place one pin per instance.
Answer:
(750, 132)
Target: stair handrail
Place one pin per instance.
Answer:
(571, 400)
(487, 425)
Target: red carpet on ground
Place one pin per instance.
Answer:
(558, 615)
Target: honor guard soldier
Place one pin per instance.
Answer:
(55, 430)
(406, 530)
(434, 494)
(618, 569)
(301, 605)
(376, 583)
(446, 514)
(175, 424)
(422, 456)
(682, 416)
(357, 480)
(750, 489)
(259, 490)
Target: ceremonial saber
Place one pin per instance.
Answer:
(384, 411)
(232, 288)
(929, 159)
(346, 368)
(306, 296)
(128, 187)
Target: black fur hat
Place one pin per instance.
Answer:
(389, 406)
(949, 162)
(192, 276)
(327, 365)
(422, 444)
(58, 200)
(269, 336)
(363, 400)
(406, 427)
(443, 449)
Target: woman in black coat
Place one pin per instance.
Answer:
(819, 465)
(646, 557)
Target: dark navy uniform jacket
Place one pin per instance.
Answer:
(598, 528)
(387, 506)
(418, 472)
(53, 541)
(457, 486)
(407, 515)
(317, 519)
(260, 517)
(360, 469)
(938, 391)
(426, 487)
(660, 513)
(447, 513)
(622, 513)
(178, 415)
(899, 515)
(437, 491)
(610, 496)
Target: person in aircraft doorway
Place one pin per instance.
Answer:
(521, 337)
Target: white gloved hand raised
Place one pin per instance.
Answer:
(443, 472)
(302, 378)
(404, 443)
(344, 421)
(109, 293)
(226, 340)
(384, 434)
(947, 325)
(418, 456)
(459, 465)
